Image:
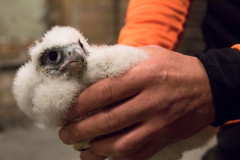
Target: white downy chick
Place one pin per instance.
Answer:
(63, 64)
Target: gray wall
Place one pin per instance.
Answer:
(21, 19)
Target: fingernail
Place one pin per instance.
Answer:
(63, 135)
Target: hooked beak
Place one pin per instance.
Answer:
(73, 54)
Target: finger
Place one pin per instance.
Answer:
(103, 93)
(107, 121)
(90, 155)
(123, 144)
(144, 153)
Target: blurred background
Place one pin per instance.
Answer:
(24, 21)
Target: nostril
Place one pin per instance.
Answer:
(69, 53)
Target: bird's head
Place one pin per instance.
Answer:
(70, 59)
(62, 50)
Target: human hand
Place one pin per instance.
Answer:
(162, 100)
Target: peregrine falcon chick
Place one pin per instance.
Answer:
(63, 64)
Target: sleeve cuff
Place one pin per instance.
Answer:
(223, 70)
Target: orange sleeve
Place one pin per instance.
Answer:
(232, 122)
(236, 46)
(158, 22)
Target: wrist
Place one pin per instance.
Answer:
(202, 98)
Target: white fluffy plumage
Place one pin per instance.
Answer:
(45, 98)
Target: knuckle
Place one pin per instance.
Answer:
(78, 109)
(111, 121)
(76, 134)
(72, 134)
(104, 93)
(123, 149)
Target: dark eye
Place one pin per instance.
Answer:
(53, 56)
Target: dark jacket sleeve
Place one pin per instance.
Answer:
(223, 70)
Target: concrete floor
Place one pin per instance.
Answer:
(34, 143)
(40, 143)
